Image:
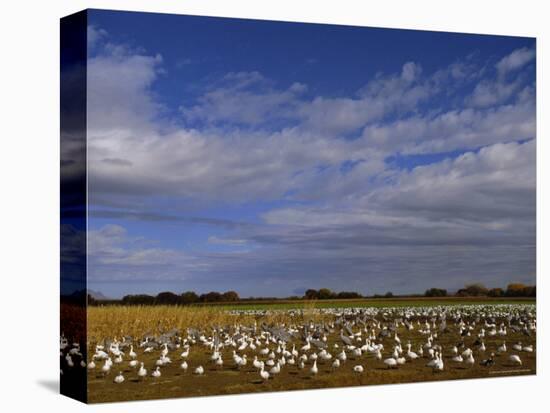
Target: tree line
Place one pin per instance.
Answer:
(185, 298)
(191, 297)
(479, 290)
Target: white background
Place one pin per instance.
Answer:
(29, 192)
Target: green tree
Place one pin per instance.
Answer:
(211, 297)
(495, 292)
(230, 296)
(325, 293)
(167, 297)
(435, 292)
(189, 297)
(311, 294)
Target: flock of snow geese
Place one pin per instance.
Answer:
(443, 336)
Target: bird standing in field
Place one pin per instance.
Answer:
(390, 362)
(264, 374)
(314, 370)
(119, 378)
(142, 372)
(470, 360)
(514, 358)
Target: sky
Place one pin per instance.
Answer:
(269, 157)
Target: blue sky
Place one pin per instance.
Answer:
(271, 157)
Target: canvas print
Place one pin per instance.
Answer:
(256, 206)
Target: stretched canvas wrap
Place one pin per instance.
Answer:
(253, 206)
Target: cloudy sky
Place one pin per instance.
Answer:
(268, 157)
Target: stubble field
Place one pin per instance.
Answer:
(224, 341)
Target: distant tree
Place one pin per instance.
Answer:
(520, 290)
(325, 293)
(139, 299)
(211, 297)
(230, 296)
(531, 291)
(389, 294)
(495, 292)
(435, 292)
(475, 290)
(348, 294)
(167, 297)
(311, 294)
(189, 297)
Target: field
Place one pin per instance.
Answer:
(224, 340)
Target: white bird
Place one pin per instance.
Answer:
(164, 351)
(142, 372)
(156, 373)
(336, 364)
(411, 354)
(528, 349)
(502, 348)
(439, 365)
(390, 362)
(106, 367)
(470, 360)
(133, 363)
(256, 363)
(199, 370)
(241, 361)
(275, 369)
(184, 366)
(466, 353)
(91, 365)
(458, 358)
(264, 374)
(514, 358)
(120, 378)
(358, 369)
(132, 353)
(314, 370)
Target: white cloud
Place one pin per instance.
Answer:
(227, 241)
(456, 129)
(95, 35)
(515, 60)
(488, 195)
(245, 98)
(113, 255)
